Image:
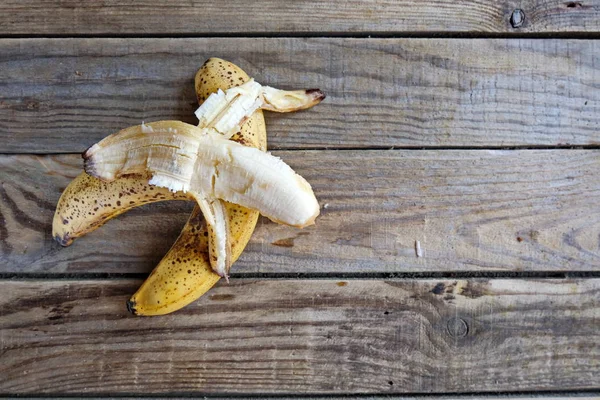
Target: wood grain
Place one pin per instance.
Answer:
(62, 95)
(575, 395)
(541, 396)
(478, 210)
(113, 17)
(303, 336)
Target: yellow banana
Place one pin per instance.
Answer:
(186, 272)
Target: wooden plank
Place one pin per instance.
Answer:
(303, 336)
(479, 210)
(561, 395)
(536, 396)
(112, 17)
(62, 95)
(544, 395)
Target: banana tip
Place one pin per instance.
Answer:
(88, 152)
(317, 94)
(131, 307)
(88, 166)
(64, 241)
(88, 162)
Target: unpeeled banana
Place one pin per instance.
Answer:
(173, 161)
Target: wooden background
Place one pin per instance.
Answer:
(451, 123)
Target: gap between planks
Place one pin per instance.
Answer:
(321, 35)
(82, 276)
(525, 395)
(388, 148)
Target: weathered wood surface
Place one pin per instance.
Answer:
(562, 395)
(113, 17)
(303, 336)
(574, 395)
(62, 95)
(478, 210)
(558, 395)
(541, 396)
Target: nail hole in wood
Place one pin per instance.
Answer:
(517, 18)
(457, 327)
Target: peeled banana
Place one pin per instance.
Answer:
(205, 165)
(177, 161)
(185, 273)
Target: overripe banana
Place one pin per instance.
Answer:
(202, 162)
(184, 273)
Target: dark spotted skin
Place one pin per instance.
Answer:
(88, 203)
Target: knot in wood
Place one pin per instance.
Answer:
(457, 327)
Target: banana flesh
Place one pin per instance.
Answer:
(226, 111)
(182, 157)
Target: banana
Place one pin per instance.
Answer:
(183, 157)
(184, 274)
(202, 162)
